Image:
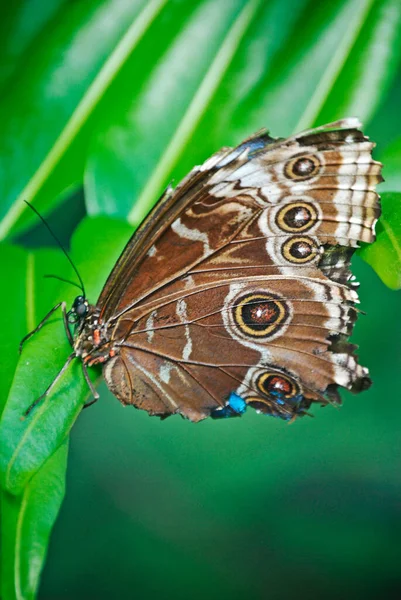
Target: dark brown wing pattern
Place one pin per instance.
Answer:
(237, 290)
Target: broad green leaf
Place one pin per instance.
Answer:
(26, 444)
(15, 269)
(26, 524)
(21, 24)
(307, 71)
(385, 254)
(137, 145)
(366, 69)
(55, 93)
(26, 520)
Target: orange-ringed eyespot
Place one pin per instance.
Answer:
(260, 315)
(296, 217)
(299, 249)
(302, 167)
(278, 385)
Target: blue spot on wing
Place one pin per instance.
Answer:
(235, 407)
(237, 403)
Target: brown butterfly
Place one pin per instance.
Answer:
(236, 290)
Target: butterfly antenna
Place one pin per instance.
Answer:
(46, 224)
(62, 279)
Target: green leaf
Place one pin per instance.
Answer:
(59, 85)
(308, 76)
(26, 520)
(26, 524)
(20, 25)
(26, 444)
(385, 254)
(137, 147)
(364, 69)
(15, 266)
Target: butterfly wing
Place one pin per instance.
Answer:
(237, 289)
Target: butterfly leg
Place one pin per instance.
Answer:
(38, 327)
(43, 321)
(66, 325)
(90, 386)
(53, 383)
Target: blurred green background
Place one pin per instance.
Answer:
(103, 103)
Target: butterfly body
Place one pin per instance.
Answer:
(92, 342)
(236, 290)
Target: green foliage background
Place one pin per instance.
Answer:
(103, 103)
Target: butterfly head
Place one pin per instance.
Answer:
(79, 310)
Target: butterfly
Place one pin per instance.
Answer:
(236, 290)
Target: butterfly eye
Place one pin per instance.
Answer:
(260, 315)
(297, 217)
(302, 167)
(299, 249)
(79, 310)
